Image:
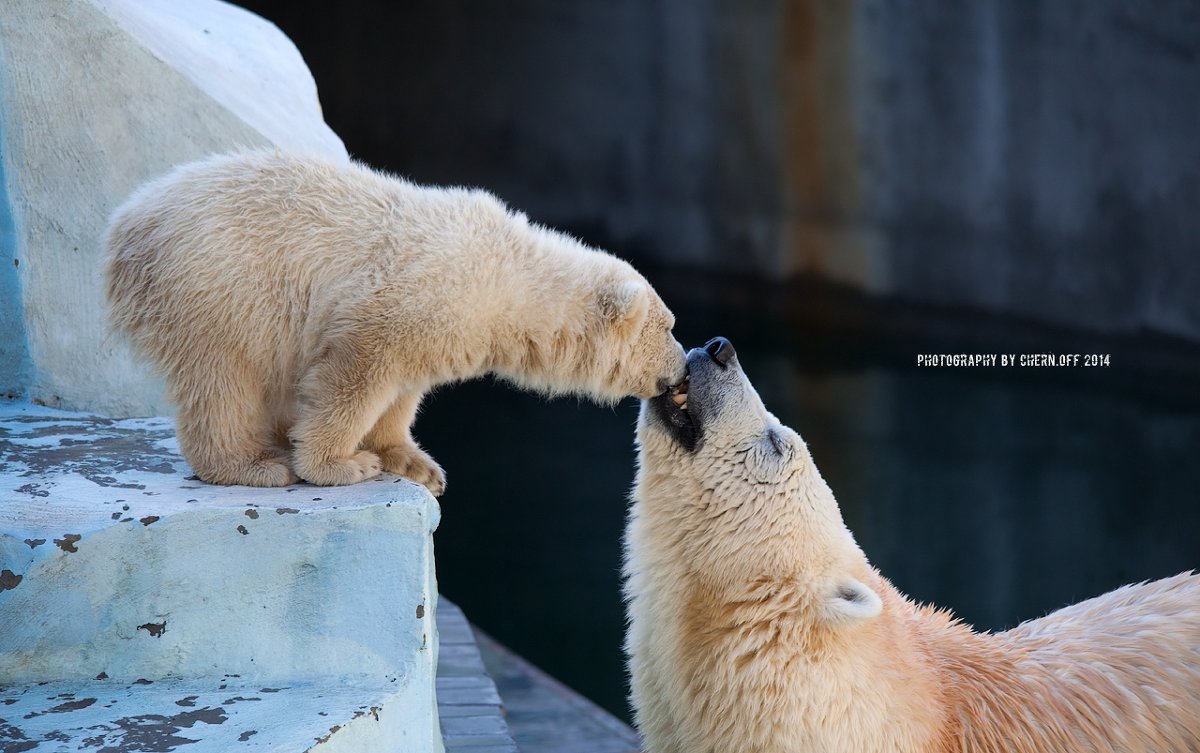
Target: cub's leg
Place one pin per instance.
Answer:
(225, 430)
(341, 397)
(391, 438)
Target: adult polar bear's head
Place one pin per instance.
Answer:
(743, 492)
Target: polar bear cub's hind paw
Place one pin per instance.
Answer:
(271, 472)
(360, 466)
(265, 471)
(416, 465)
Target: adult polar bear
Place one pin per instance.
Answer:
(758, 626)
(297, 303)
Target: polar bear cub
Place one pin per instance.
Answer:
(300, 308)
(758, 626)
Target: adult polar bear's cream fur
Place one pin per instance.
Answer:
(293, 301)
(757, 624)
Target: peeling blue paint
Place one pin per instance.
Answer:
(16, 365)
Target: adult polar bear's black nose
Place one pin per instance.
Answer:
(721, 351)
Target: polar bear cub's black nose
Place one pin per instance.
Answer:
(721, 351)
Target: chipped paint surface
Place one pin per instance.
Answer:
(194, 718)
(119, 570)
(77, 471)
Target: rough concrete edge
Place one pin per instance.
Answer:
(16, 365)
(434, 512)
(249, 17)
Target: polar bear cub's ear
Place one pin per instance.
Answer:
(851, 601)
(624, 303)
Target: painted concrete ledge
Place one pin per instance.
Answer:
(141, 609)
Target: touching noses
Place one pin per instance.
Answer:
(720, 350)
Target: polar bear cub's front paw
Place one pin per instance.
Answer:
(414, 464)
(360, 466)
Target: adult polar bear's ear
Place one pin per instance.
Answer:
(624, 303)
(851, 601)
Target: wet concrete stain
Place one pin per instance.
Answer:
(286, 511)
(148, 520)
(96, 449)
(420, 611)
(63, 708)
(188, 701)
(34, 490)
(111, 482)
(155, 629)
(247, 735)
(152, 733)
(242, 530)
(102, 676)
(270, 690)
(89, 420)
(237, 699)
(67, 542)
(252, 514)
(34, 543)
(143, 681)
(13, 740)
(9, 579)
(325, 738)
(373, 711)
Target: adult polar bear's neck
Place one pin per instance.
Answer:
(730, 646)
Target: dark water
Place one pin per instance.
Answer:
(997, 493)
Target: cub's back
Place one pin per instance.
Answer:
(241, 251)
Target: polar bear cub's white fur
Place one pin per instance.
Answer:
(300, 308)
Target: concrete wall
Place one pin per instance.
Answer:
(1038, 158)
(95, 98)
(1033, 159)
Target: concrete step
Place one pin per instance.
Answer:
(127, 586)
(222, 714)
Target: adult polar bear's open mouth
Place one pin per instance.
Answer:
(715, 390)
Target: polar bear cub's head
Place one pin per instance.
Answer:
(740, 492)
(643, 358)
